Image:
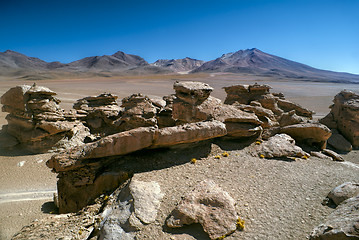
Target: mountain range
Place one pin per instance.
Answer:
(245, 62)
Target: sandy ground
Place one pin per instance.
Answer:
(25, 191)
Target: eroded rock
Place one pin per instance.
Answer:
(340, 224)
(343, 192)
(208, 205)
(278, 146)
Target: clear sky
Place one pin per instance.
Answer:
(320, 33)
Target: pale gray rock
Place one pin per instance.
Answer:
(280, 145)
(339, 142)
(134, 205)
(341, 224)
(208, 205)
(343, 192)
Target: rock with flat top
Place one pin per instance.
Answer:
(310, 133)
(209, 206)
(192, 92)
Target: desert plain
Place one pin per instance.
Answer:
(277, 199)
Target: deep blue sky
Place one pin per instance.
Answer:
(321, 33)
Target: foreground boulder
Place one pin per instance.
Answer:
(343, 192)
(38, 123)
(341, 224)
(344, 116)
(209, 206)
(129, 209)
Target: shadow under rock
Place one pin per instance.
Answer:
(195, 230)
(49, 207)
(154, 159)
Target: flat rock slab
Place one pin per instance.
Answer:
(309, 133)
(333, 154)
(208, 205)
(341, 224)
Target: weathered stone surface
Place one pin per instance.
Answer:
(320, 155)
(242, 130)
(278, 146)
(341, 224)
(338, 142)
(130, 208)
(344, 112)
(78, 225)
(191, 132)
(344, 192)
(244, 94)
(193, 93)
(333, 154)
(139, 111)
(15, 98)
(311, 133)
(112, 145)
(290, 118)
(208, 205)
(287, 106)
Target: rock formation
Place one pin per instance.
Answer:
(344, 116)
(129, 209)
(340, 224)
(208, 205)
(37, 122)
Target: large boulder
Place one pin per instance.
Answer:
(344, 114)
(343, 192)
(341, 224)
(209, 206)
(310, 133)
(129, 208)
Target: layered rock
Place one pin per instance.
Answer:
(310, 133)
(209, 206)
(36, 120)
(344, 116)
(99, 112)
(85, 172)
(139, 111)
(193, 104)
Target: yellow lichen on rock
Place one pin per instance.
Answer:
(240, 224)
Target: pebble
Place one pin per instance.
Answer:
(20, 164)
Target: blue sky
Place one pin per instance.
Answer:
(321, 33)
